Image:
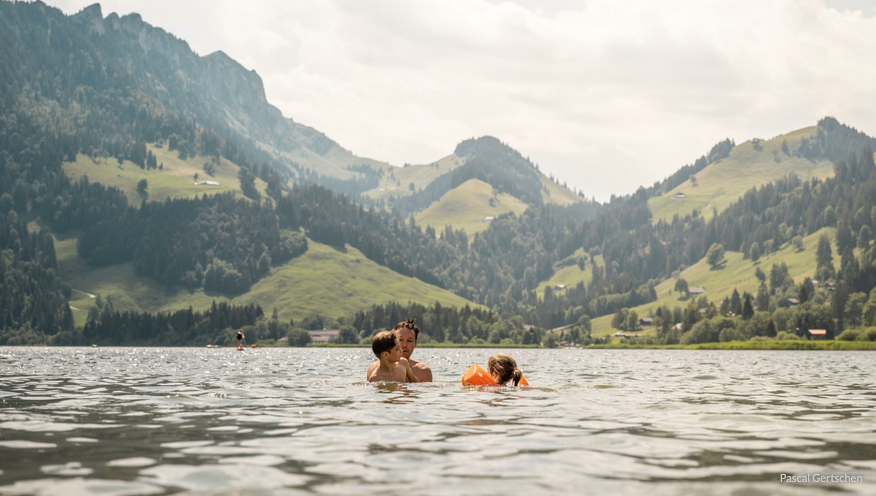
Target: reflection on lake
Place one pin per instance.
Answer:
(132, 421)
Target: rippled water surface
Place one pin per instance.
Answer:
(131, 421)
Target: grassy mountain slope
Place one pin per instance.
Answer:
(555, 193)
(485, 159)
(396, 180)
(723, 182)
(571, 275)
(175, 181)
(735, 273)
(467, 206)
(323, 280)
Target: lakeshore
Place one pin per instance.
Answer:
(732, 345)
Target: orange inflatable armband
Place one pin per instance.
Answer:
(476, 376)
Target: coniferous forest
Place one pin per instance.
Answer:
(70, 86)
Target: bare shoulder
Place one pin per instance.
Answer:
(371, 369)
(422, 371)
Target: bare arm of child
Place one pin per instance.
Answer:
(409, 372)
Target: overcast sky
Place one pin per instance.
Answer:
(606, 95)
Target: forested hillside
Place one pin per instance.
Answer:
(489, 160)
(90, 104)
(32, 300)
(715, 181)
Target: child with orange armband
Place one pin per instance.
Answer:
(503, 371)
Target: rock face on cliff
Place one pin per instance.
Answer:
(215, 89)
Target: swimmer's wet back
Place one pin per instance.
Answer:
(476, 376)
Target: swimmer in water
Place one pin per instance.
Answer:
(504, 370)
(391, 367)
(408, 332)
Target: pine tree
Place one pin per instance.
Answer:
(864, 237)
(735, 303)
(725, 307)
(747, 308)
(763, 298)
(754, 252)
(715, 254)
(802, 294)
(824, 254)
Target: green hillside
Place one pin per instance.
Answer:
(323, 280)
(554, 193)
(467, 206)
(735, 273)
(176, 180)
(396, 180)
(570, 275)
(721, 183)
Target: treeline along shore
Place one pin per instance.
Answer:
(116, 93)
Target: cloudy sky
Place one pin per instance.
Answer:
(606, 95)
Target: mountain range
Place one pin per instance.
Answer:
(161, 180)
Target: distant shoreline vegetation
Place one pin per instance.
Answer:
(436, 345)
(794, 344)
(789, 345)
(735, 345)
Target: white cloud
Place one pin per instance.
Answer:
(606, 95)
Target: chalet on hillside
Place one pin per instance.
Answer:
(647, 321)
(695, 291)
(489, 218)
(323, 336)
(679, 195)
(817, 333)
(208, 183)
(793, 302)
(559, 286)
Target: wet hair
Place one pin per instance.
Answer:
(383, 341)
(409, 324)
(505, 368)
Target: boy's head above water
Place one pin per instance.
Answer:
(385, 342)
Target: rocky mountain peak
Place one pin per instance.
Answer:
(91, 18)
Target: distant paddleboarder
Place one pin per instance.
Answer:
(240, 339)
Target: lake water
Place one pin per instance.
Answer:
(139, 421)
